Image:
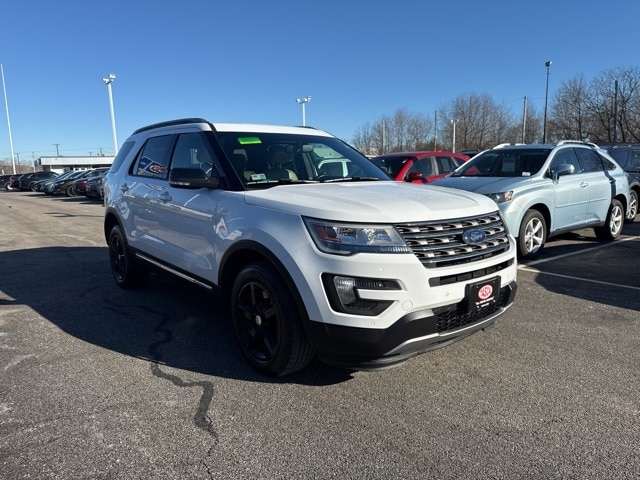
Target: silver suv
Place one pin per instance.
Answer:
(315, 250)
(545, 190)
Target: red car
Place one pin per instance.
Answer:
(419, 167)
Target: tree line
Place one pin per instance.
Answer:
(603, 110)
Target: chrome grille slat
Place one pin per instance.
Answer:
(438, 244)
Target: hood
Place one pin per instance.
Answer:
(372, 202)
(483, 185)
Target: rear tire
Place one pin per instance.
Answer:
(267, 322)
(532, 235)
(70, 191)
(632, 211)
(126, 270)
(613, 224)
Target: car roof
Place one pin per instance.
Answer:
(418, 153)
(233, 127)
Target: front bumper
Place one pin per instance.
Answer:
(415, 333)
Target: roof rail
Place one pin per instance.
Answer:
(577, 142)
(508, 145)
(171, 123)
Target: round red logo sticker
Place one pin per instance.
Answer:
(485, 292)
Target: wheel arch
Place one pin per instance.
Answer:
(623, 200)
(244, 253)
(110, 220)
(544, 211)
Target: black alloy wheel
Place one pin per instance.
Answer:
(267, 322)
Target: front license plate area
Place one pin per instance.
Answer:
(483, 294)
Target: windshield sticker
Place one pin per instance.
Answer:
(509, 164)
(249, 140)
(257, 177)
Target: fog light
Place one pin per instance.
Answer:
(345, 288)
(344, 297)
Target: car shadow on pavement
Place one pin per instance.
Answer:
(167, 323)
(588, 269)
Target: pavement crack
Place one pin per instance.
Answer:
(200, 418)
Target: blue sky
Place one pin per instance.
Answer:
(248, 61)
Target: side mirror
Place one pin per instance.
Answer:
(414, 176)
(562, 169)
(192, 178)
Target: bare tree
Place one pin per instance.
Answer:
(479, 121)
(605, 110)
(528, 127)
(400, 132)
(363, 138)
(615, 105)
(570, 111)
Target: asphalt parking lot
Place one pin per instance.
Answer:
(97, 382)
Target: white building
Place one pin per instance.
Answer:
(62, 164)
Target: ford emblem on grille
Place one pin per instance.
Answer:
(474, 237)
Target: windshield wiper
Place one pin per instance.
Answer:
(352, 179)
(279, 181)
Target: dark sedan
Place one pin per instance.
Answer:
(628, 157)
(80, 184)
(64, 185)
(95, 187)
(4, 179)
(28, 180)
(14, 182)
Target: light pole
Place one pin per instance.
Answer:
(303, 101)
(6, 104)
(524, 120)
(546, 99)
(453, 143)
(108, 81)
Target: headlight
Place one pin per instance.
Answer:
(347, 239)
(501, 196)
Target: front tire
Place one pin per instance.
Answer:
(532, 235)
(126, 270)
(613, 224)
(70, 191)
(267, 322)
(632, 211)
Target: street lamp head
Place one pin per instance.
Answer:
(547, 64)
(303, 100)
(109, 79)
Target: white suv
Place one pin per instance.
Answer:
(342, 263)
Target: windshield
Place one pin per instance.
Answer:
(263, 159)
(393, 165)
(521, 162)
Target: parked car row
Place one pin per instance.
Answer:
(70, 183)
(542, 190)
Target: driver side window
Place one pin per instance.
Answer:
(422, 165)
(566, 157)
(191, 152)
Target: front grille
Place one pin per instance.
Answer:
(440, 243)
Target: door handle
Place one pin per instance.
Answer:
(584, 184)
